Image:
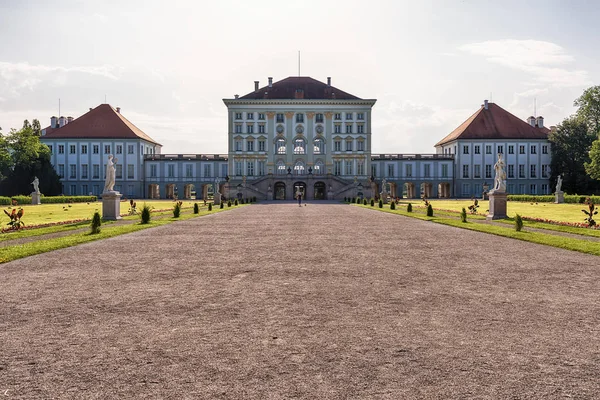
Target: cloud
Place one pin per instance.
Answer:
(543, 60)
(527, 94)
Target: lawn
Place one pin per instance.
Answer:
(556, 212)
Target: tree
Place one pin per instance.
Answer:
(593, 167)
(571, 144)
(589, 108)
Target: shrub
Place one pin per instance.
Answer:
(177, 209)
(364, 202)
(392, 206)
(7, 201)
(518, 223)
(463, 215)
(145, 215)
(569, 198)
(372, 203)
(96, 222)
(228, 203)
(473, 207)
(429, 210)
(222, 205)
(209, 206)
(196, 208)
(15, 218)
(235, 203)
(345, 199)
(380, 203)
(409, 207)
(590, 214)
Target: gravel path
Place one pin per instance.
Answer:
(275, 301)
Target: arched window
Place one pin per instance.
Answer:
(319, 146)
(299, 146)
(280, 167)
(319, 168)
(280, 146)
(299, 167)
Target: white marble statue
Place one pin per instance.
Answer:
(500, 178)
(111, 172)
(559, 184)
(217, 180)
(36, 185)
(383, 185)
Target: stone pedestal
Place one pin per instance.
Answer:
(559, 197)
(269, 194)
(497, 205)
(36, 198)
(111, 205)
(217, 198)
(330, 195)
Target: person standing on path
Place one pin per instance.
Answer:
(299, 197)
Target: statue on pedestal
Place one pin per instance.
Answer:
(559, 184)
(111, 169)
(500, 178)
(36, 185)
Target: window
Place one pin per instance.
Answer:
(521, 171)
(427, 170)
(238, 129)
(465, 173)
(360, 116)
(545, 172)
(319, 169)
(96, 171)
(129, 149)
(84, 189)
(299, 146)
(261, 168)
(95, 149)
(72, 171)
(73, 190)
(249, 128)
(189, 170)
(533, 188)
(522, 188)
(465, 149)
(444, 170)
(545, 150)
(250, 168)
(84, 149)
(466, 189)
(72, 149)
(61, 170)
(476, 171)
(349, 128)
(206, 169)
(477, 149)
(319, 146)
(119, 149)
(261, 145)
(171, 171)
(280, 167)
(348, 167)
(532, 171)
(130, 170)
(299, 167)
(250, 115)
(373, 169)
(488, 149)
(511, 171)
(280, 146)
(409, 171)
(238, 115)
(61, 149)
(50, 147)
(521, 149)
(500, 149)
(348, 145)
(390, 170)
(360, 168)
(238, 168)
(261, 129)
(337, 116)
(280, 118)
(348, 116)
(107, 149)
(337, 145)
(299, 118)
(261, 116)
(153, 173)
(533, 149)
(337, 129)
(360, 145)
(238, 145)
(360, 128)
(84, 171)
(511, 149)
(250, 145)
(319, 118)
(544, 188)
(337, 168)
(119, 171)
(488, 171)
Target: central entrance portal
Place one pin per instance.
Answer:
(301, 187)
(319, 190)
(279, 193)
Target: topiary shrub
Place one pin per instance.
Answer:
(372, 203)
(392, 206)
(364, 202)
(518, 223)
(196, 208)
(96, 222)
(380, 203)
(222, 205)
(429, 210)
(463, 215)
(409, 207)
(209, 206)
(235, 203)
(177, 210)
(229, 203)
(145, 214)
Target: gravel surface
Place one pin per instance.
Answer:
(276, 301)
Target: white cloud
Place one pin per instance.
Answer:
(527, 95)
(538, 58)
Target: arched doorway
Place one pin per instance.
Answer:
(426, 189)
(444, 190)
(170, 191)
(300, 186)
(409, 190)
(208, 191)
(153, 191)
(279, 192)
(189, 191)
(320, 191)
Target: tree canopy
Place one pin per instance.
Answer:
(589, 108)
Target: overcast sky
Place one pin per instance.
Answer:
(168, 65)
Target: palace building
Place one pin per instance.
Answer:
(299, 134)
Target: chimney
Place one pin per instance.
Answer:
(53, 122)
(119, 110)
(62, 121)
(531, 121)
(237, 96)
(69, 119)
(91, 108)
(485, 104)
(270, 81)
(256, 86)
(540, 122)
(328, 81)
(299, 94)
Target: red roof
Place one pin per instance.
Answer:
(300, 87)
(495, 123)
(102, 122)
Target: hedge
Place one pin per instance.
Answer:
(569, 198)
(7, 201)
